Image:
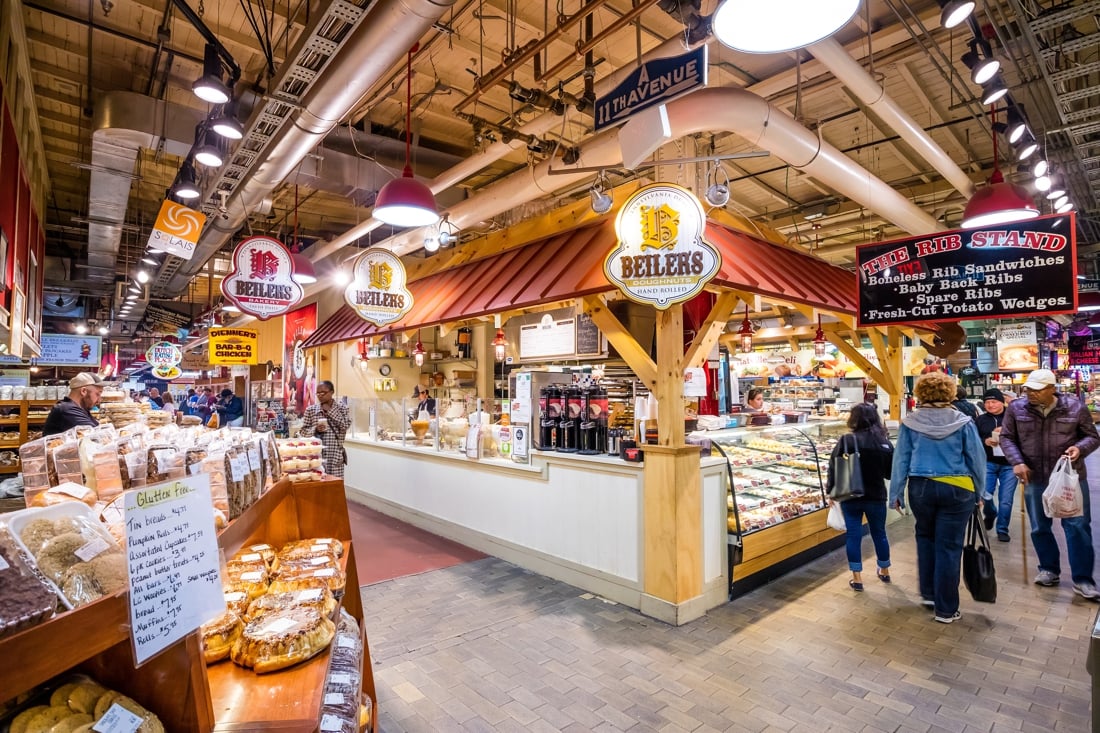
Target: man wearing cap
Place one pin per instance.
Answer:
(85, 390)
(1036, 432)
(999, 476)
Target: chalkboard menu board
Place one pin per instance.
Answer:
(1020, 269)
(589, 339)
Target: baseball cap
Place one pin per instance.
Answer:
(85, 379)
(1040, 378)
(993, 394)
(226, 392)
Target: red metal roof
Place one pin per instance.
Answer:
(570, 264)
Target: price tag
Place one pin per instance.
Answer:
(236, 471)
(70, 489)
(194, 468)
(346, 642)
(264, 449)
(340, 678)
(93, 549)
(334, 698)
(252, 577)
(118, 719)
(254, 459)
(278, 626)
(325, 573)
(331, 722)
(313, 594)
(318, 561)
(251, 557)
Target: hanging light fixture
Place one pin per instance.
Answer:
(601, 199)
(186, 185)
(1057, 188)
(405, 201)
(225, 122)
(208, 150)
(500, 344)
(819, 340)
(955, 12)
(993, 90)
(303, 273)
(982, 65)
(210, 87)
(718, 192)
(103, 330)
(418, 351)
(142, 276)
(81, 328)
(745, 332)
(364, 350)
(1026, 147)
(755, 27)
(999, 202)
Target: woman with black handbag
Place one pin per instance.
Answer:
(870, 444)
(941, 457)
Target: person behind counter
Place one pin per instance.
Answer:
(230, 409)
(85, 390)
(328, 420)
(427, 404)
(754, 400)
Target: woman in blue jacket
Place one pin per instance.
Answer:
(940, 454)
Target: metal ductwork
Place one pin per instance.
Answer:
(383, 37)
(125, 122)
(707, 110)
(849, 72)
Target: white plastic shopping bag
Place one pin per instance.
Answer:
(835, 518)
(1062, 498)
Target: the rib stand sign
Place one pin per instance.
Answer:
(1022, 269)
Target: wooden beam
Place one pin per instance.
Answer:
(857, 358)
(895, 356)
(712, 329)
(878, 343)
(644, 368)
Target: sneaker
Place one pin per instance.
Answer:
(990, 520)
(928, 603)
(1046, 578)
(948, 619)
(1003, 536)
(1087, 590)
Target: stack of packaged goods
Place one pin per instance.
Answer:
(301, 458)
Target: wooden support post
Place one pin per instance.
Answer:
(894, 355)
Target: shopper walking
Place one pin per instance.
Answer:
(1037, 431)
(941, 456)
(999, 477)
(875, 458)
(328, 420)
(964, 405)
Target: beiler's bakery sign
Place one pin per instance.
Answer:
(661, 257)
(377, 292)
(261, 282)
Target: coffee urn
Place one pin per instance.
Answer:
(588, 443)
(550, 415)
(568, 436)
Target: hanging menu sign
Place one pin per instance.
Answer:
(172, 553)
(1021, 269)
(1084, 351)
(547, 338)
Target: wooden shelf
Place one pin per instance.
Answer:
(177, 685)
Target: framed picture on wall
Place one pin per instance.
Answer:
(18, 313)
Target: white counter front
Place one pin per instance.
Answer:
(575, 518)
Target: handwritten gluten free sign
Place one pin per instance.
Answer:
(1022, 269)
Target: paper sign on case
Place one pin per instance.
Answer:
(177, 230)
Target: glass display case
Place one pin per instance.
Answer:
(778, 472)
(396, 421)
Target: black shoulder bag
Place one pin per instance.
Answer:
(847, 474)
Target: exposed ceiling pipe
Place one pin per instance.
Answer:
(124, 123)
(495, 151)
(707, 110)
(852, 75)
(385, 35)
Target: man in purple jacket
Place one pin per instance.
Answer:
(1036, 432)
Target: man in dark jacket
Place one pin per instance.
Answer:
(964, 405)
(1036, 432)
(999, 476)
(85, 390)
(230, 409)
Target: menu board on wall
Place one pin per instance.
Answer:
(1084, 351)
(1019, 269)
(59, 349)
(548, 337)
(172, 553)
(1017, 348)
(589, 338)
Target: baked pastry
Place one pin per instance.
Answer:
(334, 578)
(46, 719)
(290, 585)
(219, 635)
(85, 695)
(19, 722)
(245, 563)
(26, 599)
(237, 601)
(267, 552)
(150, 723)
(336, 545)
(72, 722)
(318, 598)
(101, 576)
(282, 639)
(252, 583)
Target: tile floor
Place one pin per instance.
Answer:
(487, 646)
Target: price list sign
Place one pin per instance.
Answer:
(172, 552)
(1025, 268)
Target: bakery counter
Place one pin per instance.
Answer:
(578, 519)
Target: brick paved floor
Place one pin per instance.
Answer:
(487, 646)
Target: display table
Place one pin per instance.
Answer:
(177, 685)
(571, 517)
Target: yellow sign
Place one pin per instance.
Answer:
(378, 290)
(177, 230)
(234, 346)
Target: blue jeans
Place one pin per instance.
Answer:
(941, 511)
(854, 511)
(1078, 532)
(997, 473)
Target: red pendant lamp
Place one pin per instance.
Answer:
(819, 340)
(405, 201)
(745, 332)
(999, 202)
